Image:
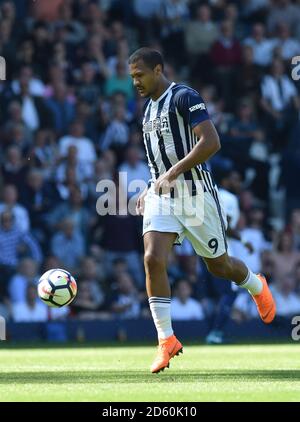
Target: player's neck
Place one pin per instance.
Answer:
(162, 87)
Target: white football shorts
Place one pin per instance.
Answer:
(200, 218)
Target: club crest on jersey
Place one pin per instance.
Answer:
(160, 123)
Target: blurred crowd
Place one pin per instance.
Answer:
(70, 117)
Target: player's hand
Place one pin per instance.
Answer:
(140, 203)
(164, 183)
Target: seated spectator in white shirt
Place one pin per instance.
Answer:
(9, 202)
(26, 275)
(262, 46)
(253, 233)
(32, 310)
(183, 306)
(278, 90)
(280, 102)
(85, 147)
(36, 85)
(286, 46)
(287, 301)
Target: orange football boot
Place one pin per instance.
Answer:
(167, 349)
(265, 303)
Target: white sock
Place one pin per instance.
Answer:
(161, 314)
(252, 283)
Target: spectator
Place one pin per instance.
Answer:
(262, 46)
(15, 119)
(133, 169)
(284, 11)
(253, 233)
(12, 242)
(85, 147)
(39, 197)
(20, 214)
(120, 82)
(27, 84)
(13, 169)
(225, 56)
(200, 34)
(94, 53)
(43, 152)
(73, 32)
(31, 310)
(173, 16)
(116, 135)
(126, 246)
(287, 300)
(215, 108)
(35, 113)
(244, 308)
(121, 56)
(146, 16)
(183, 306)
(17, 136)
(285, 257)
(286, 46)
(73, 209)
(244, 130)
(82, 171)
(62, 108)
(247, 84)
(280, 103)
(41, 37)
(90, 302)
(125, 302)
(88, 90)
(26, 275)
(86, 306)
(68, 245)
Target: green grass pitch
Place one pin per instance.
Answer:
(108, 374)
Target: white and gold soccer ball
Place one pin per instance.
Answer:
(57, 288)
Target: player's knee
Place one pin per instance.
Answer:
(153, 262)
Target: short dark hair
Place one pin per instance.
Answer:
(149, 56)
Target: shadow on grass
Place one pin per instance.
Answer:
(134, 377)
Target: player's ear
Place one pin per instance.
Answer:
(158, 70)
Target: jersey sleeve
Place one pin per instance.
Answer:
(191, 107)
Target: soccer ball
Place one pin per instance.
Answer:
(57, 288)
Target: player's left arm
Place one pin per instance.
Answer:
(192, 108)
(208, 144)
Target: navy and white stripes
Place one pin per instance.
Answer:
(159, 300)
(167, 129)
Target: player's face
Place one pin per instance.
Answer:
(144, 78)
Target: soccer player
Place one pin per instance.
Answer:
(179, 138)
